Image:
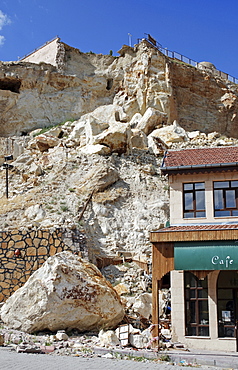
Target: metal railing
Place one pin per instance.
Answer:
(184, 59)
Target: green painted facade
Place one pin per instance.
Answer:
(209, 255)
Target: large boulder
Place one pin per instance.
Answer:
(150, 120)
(169, 134)
(65, 293)
(116, 137)
(99, 178)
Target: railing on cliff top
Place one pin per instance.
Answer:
(184, 59)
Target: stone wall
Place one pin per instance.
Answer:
(23, 252)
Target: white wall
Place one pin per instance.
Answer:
(176, 197)
(46, 54)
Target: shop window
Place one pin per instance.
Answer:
(194, 200)
(227, 303)
(196, 305)
(225, 198)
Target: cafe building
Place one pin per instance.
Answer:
(199, 248)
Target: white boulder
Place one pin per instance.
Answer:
(65, 293)
(143, 305)
(150, 120)
(108, 338)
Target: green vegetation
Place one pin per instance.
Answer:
(45, 129)
(165, 357)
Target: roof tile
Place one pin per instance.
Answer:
(201, 156)
(196, 227)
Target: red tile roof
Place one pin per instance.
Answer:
(199, 227)
(201, 157)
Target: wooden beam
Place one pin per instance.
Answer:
(193, 235)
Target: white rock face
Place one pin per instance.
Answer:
(143, 305)
(150, 120)
(35, 213)
(66, 292)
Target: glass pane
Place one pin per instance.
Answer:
(226, 312)
(222, 213)
(230, 198)
(225, 294)
(202, 293)
(203, 312)
(203, 331)
(199, 185)
(189, 215)
(234, 184)
(221, 184)
(234, 213)
(202, 283)
(188, 201)
(192, 293)
(191, 313)
(229, 332)
(188, 186)
(190, 280)
(191, 331)
(200, 200)
(218, 199)
(201, 214)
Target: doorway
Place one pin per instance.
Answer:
(227, 303)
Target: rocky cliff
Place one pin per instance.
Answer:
(38, 95)
(122, 113)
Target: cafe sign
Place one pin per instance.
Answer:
(210, 255)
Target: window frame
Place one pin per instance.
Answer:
(195, 212)
(226, 209)
(195, 298)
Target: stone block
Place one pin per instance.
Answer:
(10, 254)
(16, 237)
(5, 285)
(53, 250)
(31, 251)
(44, 242)
(57, 242)
(29, 242)
(42, 251)
(11, 243)
(45, 235)
(10, 265)
(20, 244)
(36, 242)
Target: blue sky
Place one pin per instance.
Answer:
(204, 30)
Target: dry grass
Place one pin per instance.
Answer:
(19, 201)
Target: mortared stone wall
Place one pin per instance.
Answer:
(23, 252)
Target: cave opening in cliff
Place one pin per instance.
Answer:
(11, 84)
(109, 84)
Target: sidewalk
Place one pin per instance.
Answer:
(182, 357)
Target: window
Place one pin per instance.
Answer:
(225, 198)
(194, 200)
(227, 307)
(196, 305)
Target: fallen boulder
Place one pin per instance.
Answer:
(65, 293)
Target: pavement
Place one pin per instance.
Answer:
(11, 360)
